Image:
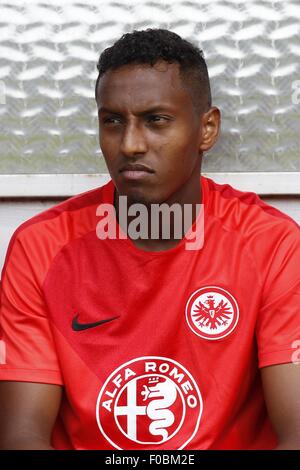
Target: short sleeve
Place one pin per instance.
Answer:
(278, 324)
(28, 351)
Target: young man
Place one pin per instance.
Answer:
(132, 342)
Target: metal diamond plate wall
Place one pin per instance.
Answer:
(48, 55)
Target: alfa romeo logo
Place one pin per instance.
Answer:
(212, 313)
(149, 403)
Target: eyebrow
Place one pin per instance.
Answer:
(153, 109)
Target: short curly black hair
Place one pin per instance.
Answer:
(151, 45)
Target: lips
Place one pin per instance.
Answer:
(136, 172)
(136, 167)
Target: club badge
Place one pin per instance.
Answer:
(212, 313)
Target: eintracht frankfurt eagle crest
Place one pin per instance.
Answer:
(212, 312)
(149, 403)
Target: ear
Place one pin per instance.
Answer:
(210, 128)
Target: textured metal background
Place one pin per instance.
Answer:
(48, 55)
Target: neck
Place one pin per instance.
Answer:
(171, 225)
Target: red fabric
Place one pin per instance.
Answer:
(56, 268)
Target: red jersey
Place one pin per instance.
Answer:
(154, 350)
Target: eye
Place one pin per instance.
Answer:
(111, 120)
(156, 118)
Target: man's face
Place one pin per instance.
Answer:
(147, 118)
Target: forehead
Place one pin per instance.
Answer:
(140, 85)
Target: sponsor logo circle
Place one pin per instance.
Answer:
(212, 313)
(149, 403)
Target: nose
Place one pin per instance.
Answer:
(133, 140)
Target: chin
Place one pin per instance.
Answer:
(136, 197)
(138, 194)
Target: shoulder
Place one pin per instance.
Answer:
(78, 209)
(44, 235)
(246, 212)
(270, 237)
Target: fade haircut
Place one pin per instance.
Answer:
(151, 45)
